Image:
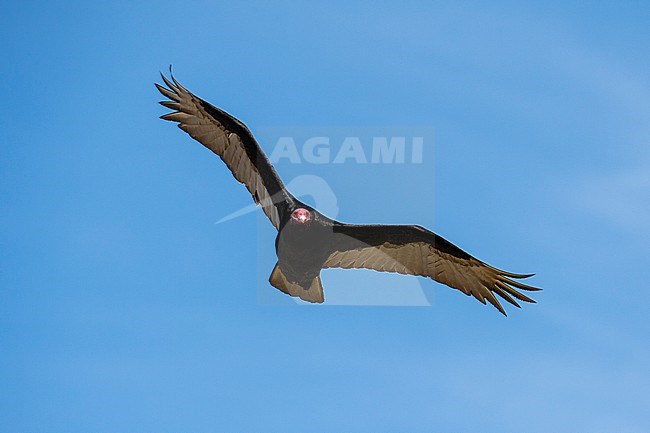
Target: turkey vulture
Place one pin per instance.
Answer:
(308, 241)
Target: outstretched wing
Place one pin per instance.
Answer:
(231, 140)
(414, 250)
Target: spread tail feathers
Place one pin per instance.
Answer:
(313, 294)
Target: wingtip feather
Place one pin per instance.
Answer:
(176, 83)
(495, 302)
(169, 83)
(504, 294)
(172, 105)
(519, 285)
(507, 289)
(171, 94)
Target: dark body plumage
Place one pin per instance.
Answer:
(299, 247)
(308, 241)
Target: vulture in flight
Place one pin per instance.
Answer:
(308, 241)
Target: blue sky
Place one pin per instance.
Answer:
(124, 307)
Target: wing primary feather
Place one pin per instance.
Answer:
(508, 274)
(168, 93)
(168, 83)
(514, 293)
(172, 105)
(176, 83)
(494, 301)
(171, 74)
(176, 116)
(478, 295)
(519, 285)
(499, 291)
